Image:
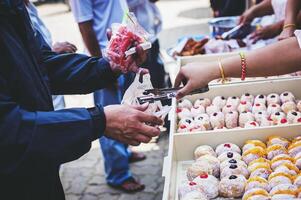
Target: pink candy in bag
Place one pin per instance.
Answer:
(125, 38)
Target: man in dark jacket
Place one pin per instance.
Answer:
(34, 139)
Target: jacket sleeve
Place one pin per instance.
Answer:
(53, 137)
(75, 73)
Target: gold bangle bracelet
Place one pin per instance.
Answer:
(221, 68)
(289, 25)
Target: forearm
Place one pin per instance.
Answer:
(89, 38)
(281, 58)
(291, 11)
(262, 9)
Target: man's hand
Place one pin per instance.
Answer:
(129, 124)
(132, 62)
(64, 47)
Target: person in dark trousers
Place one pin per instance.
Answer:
(34, 139)
(225, 8)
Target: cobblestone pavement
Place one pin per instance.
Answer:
(84, 178)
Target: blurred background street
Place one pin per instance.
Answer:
(84, 179)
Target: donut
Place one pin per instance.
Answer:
(286, 96)
(277, 140)
(288, 106)
(273, 98)
(294, 149)
(287, 168)
(277, 117)
(234, 101)
(217, 120)
(297, 181)
(261, 171)
(235, 170)
(229, 108)
(244, 106)
(259, 115)
(248, 98)
(203, 119)
(299, 105)
(260, 99)
(232, 161)
(289, 189)
(232, 186)
(256, 194)
(212, 109)
(184, 113)
(251, 124)
(198, 168)
(213, 162)
(205, 102)
(273, 108)
(253, 143)
(219, 101)
(229, 155)
(257, 182)
(274, 150)
(293, 116)
(278, 178)
(281, 159)
(225, 147)
(208, 184)
(204, 150)
(184, 103)
(257, 107)
(195, 111)
(244, 117)
(253, 154)
(231, 120)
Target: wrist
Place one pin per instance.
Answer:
(215, 72)
(98, 120)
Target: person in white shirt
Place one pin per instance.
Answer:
(266, 7)
(94, 17)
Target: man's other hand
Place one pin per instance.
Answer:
(64, 47)
(130, 125)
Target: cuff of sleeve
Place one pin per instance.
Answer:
(98, 120)
(105, 72)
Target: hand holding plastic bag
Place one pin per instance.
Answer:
(126, 48)
(136, 89)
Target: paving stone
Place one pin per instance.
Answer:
(72, 197)
(93, 190)
(97, 180)
(89, 197)
(109, 197)
(129, 197)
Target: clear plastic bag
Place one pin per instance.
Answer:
(136, 89)
(125, 37)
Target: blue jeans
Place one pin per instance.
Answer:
(116, 155)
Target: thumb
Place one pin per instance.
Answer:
(109, 33)
(142, 107)
(184, 91)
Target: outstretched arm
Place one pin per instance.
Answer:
(277, 59)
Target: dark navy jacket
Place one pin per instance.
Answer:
(34, 139)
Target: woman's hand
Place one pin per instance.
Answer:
(196, 75)
(266, 32)
(247, 17)
(286, 33)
